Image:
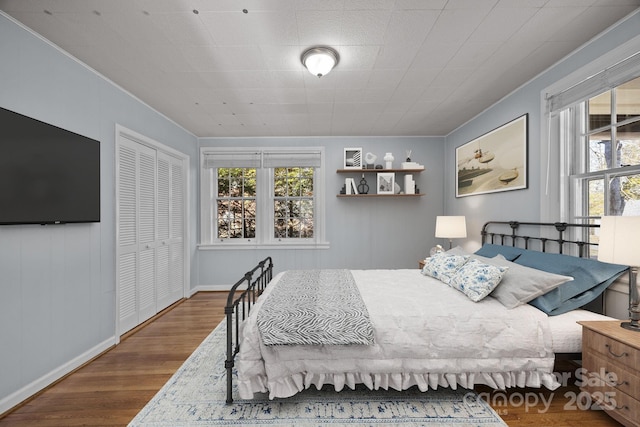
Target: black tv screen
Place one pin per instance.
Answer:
(48, 175)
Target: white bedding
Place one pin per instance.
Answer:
(426, 334)
(566, 333)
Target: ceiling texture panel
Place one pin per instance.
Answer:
(229, 68)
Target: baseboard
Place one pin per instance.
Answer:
(209, 288)
(46, 380)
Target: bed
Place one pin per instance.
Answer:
(447, 325)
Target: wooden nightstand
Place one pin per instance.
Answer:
(611, 356)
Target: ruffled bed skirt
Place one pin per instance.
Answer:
(288, 386)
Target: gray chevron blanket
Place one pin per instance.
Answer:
(315, 307)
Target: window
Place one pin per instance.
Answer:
(236, 203)
(293, 203)
(271, 196)
(596, 126)
(604, 178)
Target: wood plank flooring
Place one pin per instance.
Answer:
(112, 389)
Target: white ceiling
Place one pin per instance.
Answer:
(407, 67)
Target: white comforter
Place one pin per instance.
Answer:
(426, 334)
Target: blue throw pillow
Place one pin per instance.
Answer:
(443, 266)
(490, 250)
(476, 279)
(590, 279)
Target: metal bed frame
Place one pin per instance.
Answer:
(238, 308)
(582, 247)
(525, 241)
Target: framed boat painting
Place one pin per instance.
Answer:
(495, 161)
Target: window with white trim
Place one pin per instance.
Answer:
(598, 128)
(235, 202)
(268, 196)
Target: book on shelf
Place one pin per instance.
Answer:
(409, 184)
(350, 186)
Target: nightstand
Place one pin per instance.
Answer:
(421, 264)
(611, 359)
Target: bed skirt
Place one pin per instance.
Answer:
(287, 387)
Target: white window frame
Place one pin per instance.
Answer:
(264, 203)
(557, 126)
(577, 199)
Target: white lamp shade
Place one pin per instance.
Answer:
(320, 60)
(620, 240)
(451, 227)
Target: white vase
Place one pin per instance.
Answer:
(388, 157)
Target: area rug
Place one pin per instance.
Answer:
(195, 396)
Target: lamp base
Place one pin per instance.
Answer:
(632, 326)
(436, 250)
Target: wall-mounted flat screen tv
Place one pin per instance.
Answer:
(48, 175)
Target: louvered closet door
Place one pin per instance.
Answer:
(164, 200)
(147, 242)
(176, 231)
(151, 215)
(170, 230)
(136, 233)
(127, 236)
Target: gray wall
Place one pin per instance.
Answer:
(523, 205)
(362, 232)
(57, 284)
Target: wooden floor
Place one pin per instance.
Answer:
(112, 389)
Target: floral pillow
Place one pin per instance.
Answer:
(476, 279)
(443, 266)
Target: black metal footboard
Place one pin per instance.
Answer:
(238, 309)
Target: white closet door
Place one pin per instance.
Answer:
(151, 221)
(147, 233)
(176, 231)
(164, 203)
(136, 233)
(170, 230)
(127, 236)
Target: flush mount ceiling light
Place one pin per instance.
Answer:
(320, 60)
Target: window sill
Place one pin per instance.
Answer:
(261, 246)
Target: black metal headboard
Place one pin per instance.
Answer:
(534, 236)
(511, 233)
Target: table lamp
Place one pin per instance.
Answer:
(451, 227)
(620, 244)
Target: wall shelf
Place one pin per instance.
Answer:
(379, 195)
(379, 170)
(361, 172)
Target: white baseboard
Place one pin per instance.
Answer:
(29, 390)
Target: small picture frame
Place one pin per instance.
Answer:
(386, 182)
(353, 158)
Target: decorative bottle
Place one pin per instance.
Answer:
(388, 157)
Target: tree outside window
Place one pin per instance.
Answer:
(236, 203)
(293, 203)
(612, 171)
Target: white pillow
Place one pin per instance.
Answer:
(442, 266)
(476, 279)
(522, 284)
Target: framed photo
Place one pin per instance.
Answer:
(353, 158)
(386, 183)
(495, 161)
